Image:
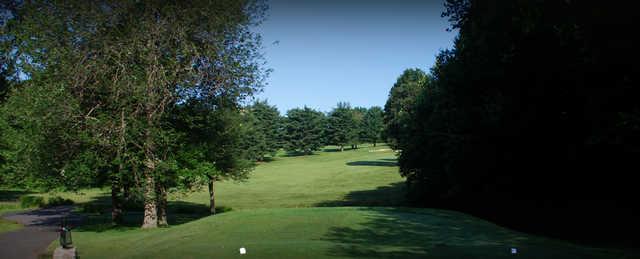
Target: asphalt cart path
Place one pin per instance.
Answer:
(41, 227)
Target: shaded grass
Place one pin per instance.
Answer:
(346, 232)
(9, 202)
(7, 225)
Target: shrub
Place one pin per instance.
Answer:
(28, 201)
(94, 207)
(58, 201)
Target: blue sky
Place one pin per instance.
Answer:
(322, 52)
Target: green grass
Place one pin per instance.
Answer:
(367, 176)
(7, 225)
(343, 232)
(293, 207)
(329, 205)
(8, 203)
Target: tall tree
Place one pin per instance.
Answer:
(340, 125)
(266, 123)
(356, 135)
(398, 106)
(212, 149)
(303, 130)
(127, 65)
(373, 125)
(533, 94)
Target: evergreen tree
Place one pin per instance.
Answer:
(340, 126)
(304, 130)
(399, 104)
(373, 125)
(356, 134)
(266, 121)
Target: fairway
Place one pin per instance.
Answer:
(366, 176)
(264, 219)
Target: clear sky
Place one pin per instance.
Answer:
(322, 52)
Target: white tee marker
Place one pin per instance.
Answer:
(243, 251)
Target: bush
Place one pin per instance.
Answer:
(95, 207)
(58, 201)
(31, 201)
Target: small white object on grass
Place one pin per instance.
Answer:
(514, 250)
(243, 251)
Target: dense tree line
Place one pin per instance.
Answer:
(532, 117)
(306, 130)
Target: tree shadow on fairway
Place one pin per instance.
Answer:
(298, 153)
(335, 149)
(97, 214)
(391, 195)
(372, 163)
(432, 233)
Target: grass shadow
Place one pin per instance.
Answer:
(97, 214)
(12, 195)
(372, 163)
(338, 149)
(391, 195)
(298, 153)
(268, 159)
(433, 233)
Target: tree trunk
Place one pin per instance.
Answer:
(374, 144)
(150, 219)
(116, 178)
(212, 199)
(161, 193)
(126, 192)
(116, 201)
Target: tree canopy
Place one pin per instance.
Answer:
(304, 130)
(400, 102)
(111, 74)
(531, 109)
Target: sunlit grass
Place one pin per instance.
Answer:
(352, 177)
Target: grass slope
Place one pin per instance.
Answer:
(290, 208)
(366, 176)
(336, 232)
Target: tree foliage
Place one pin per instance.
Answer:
(399, 104)
(372, 125)
(341, 127)
(118, 71)
(265, 138)
(304, 130)
(535, 104)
